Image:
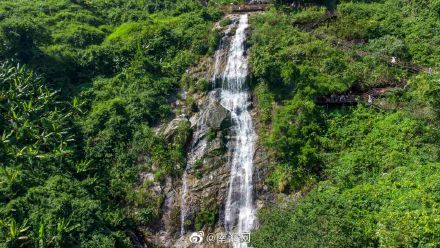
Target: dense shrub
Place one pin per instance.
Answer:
(359, 169)
(76, 130)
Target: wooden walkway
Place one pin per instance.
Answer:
(344, 99)
(353, 98)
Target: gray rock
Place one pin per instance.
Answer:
(173, 126)
(217, 116)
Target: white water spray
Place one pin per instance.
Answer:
(183, 203)
(239, 211)
(239, 208)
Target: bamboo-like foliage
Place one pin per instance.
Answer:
(35, 125)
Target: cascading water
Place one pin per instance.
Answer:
(198, 149)
(239, 211)
(239, 206)
(183, 203)
(218, 56)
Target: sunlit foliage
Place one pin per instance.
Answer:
(368, 175)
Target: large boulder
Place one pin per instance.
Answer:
(173, 127)
(216, 116)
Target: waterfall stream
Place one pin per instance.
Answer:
(239, 210)
(230, 72)
(183, 203)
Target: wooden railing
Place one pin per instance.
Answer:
(339, 99)
(353, 98)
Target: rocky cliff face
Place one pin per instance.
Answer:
(196, 202)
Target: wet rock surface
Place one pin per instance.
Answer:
(207, 171)
(217, 116)
(207, 176)
(172, 128)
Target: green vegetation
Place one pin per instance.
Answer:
(206, 218)
(84, 84)
(76, 114)
(368, 175)
(211, 134)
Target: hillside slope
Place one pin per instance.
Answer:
(368, 174)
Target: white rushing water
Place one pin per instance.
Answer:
(198, 149)
(234, 96)
(218, 55)
(183, 203)
(239, 211)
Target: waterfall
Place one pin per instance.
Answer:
(231, 68)
(218, 56)
(183, 203)
(239, 210)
